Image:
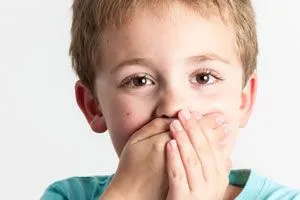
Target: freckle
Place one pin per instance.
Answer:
(128, 114)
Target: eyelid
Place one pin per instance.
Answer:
(209, 71)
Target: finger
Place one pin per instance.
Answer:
(216, 138)
(222, 162)
(223, 127)
(199, 143)
(215, 128)
(213, 121)
(189, 157)
(153, 128)
(217, 148)
(220, 178)
(175, 169)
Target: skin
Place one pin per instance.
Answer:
(171, 51)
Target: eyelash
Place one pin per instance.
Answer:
(128, 82)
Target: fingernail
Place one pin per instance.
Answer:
(176, 125)
(185, 114)
(173, 144)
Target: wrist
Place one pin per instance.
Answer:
(111, 194)
(119, 190)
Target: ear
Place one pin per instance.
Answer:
(248, 99)
(90, 108)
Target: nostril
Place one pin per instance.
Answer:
(169, 117)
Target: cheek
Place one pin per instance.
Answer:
(221, 102)
(124, 116)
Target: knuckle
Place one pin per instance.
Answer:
(160, 142)
(178, 176)
(159, 124)
(217, 145)
(156, 123)
(191, 161)
(157, 147)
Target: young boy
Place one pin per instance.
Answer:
(172, 82)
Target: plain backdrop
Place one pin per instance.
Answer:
(44, 136)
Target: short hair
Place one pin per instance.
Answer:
(92, 17)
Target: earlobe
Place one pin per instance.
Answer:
(90, 108)
(247, 100)
(98, 124)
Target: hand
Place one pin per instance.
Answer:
(141, 173)
(196, 165)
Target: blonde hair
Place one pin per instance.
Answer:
(92, 17)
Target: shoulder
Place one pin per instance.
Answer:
(260, 187)
(77, 188)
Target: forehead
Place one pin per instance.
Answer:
(168, 35)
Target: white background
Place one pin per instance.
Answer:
(44, 137)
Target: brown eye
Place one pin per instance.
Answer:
(137, 80)
(206, 77)
(203, 78)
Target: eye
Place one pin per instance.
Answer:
(137, 80)
(206, 77)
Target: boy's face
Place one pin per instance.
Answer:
(165, 61)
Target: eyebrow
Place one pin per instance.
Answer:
(207, 57)
(194, 59)
(133, 61)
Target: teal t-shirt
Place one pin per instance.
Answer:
(254, 187)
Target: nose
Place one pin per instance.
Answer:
(170, 102)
